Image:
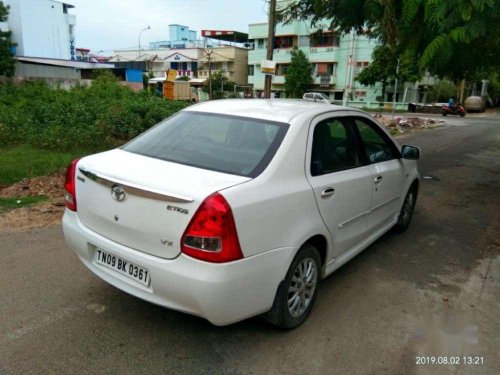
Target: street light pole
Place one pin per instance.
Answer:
(139, 43)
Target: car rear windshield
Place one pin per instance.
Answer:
(230, 144)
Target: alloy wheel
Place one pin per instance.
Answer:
(302, 286)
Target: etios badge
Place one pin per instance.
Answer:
(118, 193)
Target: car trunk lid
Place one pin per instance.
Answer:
(142, 202)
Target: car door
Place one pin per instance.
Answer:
(383, 159)
(342, 185)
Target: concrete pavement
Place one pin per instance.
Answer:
(407, 296)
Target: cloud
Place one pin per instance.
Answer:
(113, 24)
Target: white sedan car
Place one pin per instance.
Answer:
(236, 208)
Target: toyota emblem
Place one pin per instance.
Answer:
(118, 193)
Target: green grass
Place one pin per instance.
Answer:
(7, 204)
(21, 162)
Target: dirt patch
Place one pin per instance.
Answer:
(51, 186)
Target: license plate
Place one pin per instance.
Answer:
(124, 267)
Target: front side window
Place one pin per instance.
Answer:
(334, 147)
(377, 146)
(228, 144)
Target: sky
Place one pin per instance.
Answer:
(113, 24)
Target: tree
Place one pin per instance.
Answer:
(451, 38)
(298, 77)
(7, 62)
(384, 66)
(219, 83)
(441, 92)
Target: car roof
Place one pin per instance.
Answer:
(280, 110)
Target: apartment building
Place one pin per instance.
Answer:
(336, 59)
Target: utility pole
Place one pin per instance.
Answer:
(270, 46)
(395, 90)
(209, 56)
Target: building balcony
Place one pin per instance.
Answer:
(278, 80)
(229, 74)
(185, 73)
(325, 80)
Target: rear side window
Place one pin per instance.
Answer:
(334, 147)
(376, 144)
(228, 144)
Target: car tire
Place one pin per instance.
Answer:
(407, 209)
(298, 291)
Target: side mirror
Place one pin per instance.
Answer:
(410, 152)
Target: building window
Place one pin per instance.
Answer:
(260, 43)
(321, 69)
(250, 70)
(213, 66)
(281, 69)
(283, 42)
(326, 39)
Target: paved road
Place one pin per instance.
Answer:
(373, 316)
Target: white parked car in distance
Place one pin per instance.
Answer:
(236, 208)
(317, 97)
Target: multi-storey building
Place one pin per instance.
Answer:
(336, 59)
(42, 28)
(180, 37)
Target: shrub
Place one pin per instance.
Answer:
(95, 118)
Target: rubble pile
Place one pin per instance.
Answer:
(408, 124)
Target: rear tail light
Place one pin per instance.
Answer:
(69, 186)
(211, 235)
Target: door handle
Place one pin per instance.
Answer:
(327, 192)
(377, 179)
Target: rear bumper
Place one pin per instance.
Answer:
(221, 293)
